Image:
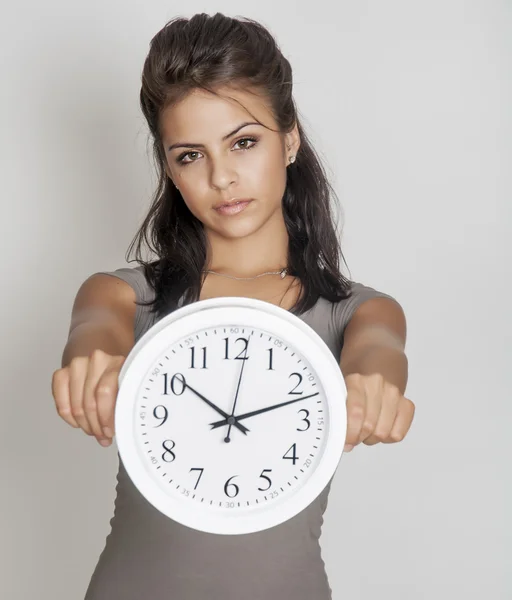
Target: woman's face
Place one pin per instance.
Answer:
(215, 158)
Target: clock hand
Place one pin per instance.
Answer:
(231, 419)
(227, 439)
(261, 410)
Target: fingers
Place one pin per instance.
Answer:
(403, 421)
(376, 411)
(95, 368)
(356, 413)
(106, 396)
(85, 394)
(78, 368)
(381, 422)
(61, 395)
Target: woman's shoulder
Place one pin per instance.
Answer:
(341, 311)
(135, 277)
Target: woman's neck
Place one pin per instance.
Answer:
(264, 250)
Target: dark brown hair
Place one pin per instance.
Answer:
(207, 52)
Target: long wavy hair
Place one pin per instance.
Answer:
(207, 52)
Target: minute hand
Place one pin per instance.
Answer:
(261, 410)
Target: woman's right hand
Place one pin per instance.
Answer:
(85, 393)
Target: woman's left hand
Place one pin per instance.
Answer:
(376, 411)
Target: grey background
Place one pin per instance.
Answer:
(409, 103)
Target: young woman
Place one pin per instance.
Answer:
(243, 208)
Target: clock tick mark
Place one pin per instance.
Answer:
(289, 484)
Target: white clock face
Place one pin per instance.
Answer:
(228, 422)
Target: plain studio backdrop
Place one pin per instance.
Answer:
(409, 104)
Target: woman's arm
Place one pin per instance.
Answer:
(102, 318)
(374, 342)
(375, 368)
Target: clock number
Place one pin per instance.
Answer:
(267, 478)
(193, 356)
(300, 381)
(270, 359)
(180, 378)
(294, 456)
(244, 349)
(200, 475)
(164, 418)
(228, 484)
(168, 451)
(304, 419)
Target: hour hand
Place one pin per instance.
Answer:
(235, 423)
(261, 410)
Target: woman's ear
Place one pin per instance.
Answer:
(292, 140)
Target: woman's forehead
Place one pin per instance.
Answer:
(203, 115)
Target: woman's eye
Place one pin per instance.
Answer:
(248, 139)
(183, 156)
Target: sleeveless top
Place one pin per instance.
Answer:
(148, 555)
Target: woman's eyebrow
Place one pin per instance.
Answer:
(226, 137)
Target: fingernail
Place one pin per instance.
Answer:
(348, 447)
(108, 432)
(105, 443)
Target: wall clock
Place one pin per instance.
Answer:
(231, 415)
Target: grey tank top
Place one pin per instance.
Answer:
(149, 556)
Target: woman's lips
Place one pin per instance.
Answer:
(234, 208)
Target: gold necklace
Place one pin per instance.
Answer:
(282, 273)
